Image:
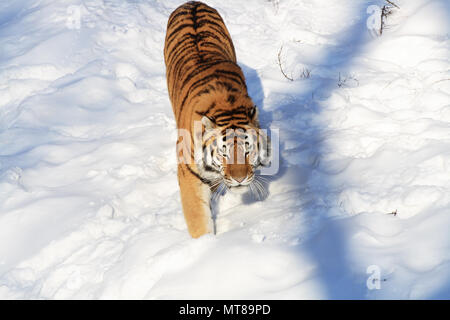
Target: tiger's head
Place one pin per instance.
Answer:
(232, 153)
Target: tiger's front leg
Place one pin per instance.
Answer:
(195, 200)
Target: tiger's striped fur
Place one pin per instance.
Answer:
(206, 85)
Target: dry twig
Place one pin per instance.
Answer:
(281, 67)
(385, 12)
(393, 4)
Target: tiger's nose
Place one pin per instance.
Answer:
(238, 172)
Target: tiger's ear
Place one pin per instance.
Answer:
(208, 123)
(252, 113)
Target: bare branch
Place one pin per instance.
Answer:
(281, 67)
(393, 4)
(385, 12)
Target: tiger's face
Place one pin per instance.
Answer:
(231, 156)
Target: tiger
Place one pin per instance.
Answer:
(210, 101)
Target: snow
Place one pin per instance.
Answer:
(89, 202)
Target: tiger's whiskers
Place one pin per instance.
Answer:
(258, 188)
(221, 189)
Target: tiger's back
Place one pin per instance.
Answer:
(200, 60)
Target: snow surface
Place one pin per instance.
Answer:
(89, 203)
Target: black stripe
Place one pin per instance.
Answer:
(190, 4)
(232, 112)
(231, 73)
(176, 15)
(219, 30)
(207, 10)
(230, 117)
(185, 54)
(177, 69)
(204, 21)
(200, 93)
(181, 65)
(197, 70)
(209, 168)
(239, 83)
(223, 121)
(197, 83)
(227, 86)
(211, 16)
(186, 36)
(173, 32)
(177, 22)
(174, 54)
(215, 46)
(203, 180)
(205, 34)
